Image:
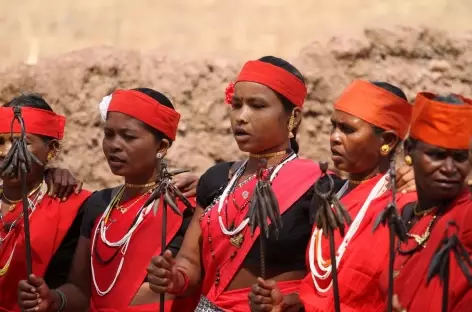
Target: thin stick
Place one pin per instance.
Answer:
(445, 294)
(334, 269)
(391, 263)
(163, 248)
(262, 245)
(24, 188)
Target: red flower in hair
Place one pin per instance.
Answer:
(229, 92)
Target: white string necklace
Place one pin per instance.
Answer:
(317, 236)
(224, 196)
(122, 243)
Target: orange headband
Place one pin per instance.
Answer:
(144, 108)
(276, 78)
(376, 106)
(441, 124)
(37, 121)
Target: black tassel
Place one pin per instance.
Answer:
(331, 216)
(440, 261)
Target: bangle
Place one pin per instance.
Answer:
(183, 288)
(63, 300)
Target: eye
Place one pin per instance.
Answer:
(346, 129)
(460, 156)
(436, 154)
(129, 137)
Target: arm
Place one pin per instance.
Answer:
(188, 258)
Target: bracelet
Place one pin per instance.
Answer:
(184, 287)
(63, 300)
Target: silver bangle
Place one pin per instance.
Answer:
(63, 300)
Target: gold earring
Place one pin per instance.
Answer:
(291, 125)
(384, 150)
(50, 156)
(408, 160)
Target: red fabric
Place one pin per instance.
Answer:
(365, 258)
(37, 121)
(178, 305)
(146, 109)
(276, 78)
(145, 243)
(293, 180)
(237, 301)
(441, 124)
(49, 224)
(377, 106)
(410, 285)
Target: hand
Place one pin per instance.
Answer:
(34, 295)
(186, 183)
(265, 296)
(162, 273)
(396, 305)
(405, 179)
(61, 183)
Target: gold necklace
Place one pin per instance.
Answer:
(421, 213)
(268, 155)
(14, 203)
(123, 209)
(421, 239)
(357, 182)
(140, 185)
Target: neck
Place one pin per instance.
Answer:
(358, 178)
(425, 203)
(274, 157)
(142, 180)
(15, 193)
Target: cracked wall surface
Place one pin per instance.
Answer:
(415, 59)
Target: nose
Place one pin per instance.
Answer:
(335, 137)
(448, 167)
(243, 116)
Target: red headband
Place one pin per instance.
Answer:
(37, 121)
(377, 106)
(274, 77)
(144, 108)
(441, 124)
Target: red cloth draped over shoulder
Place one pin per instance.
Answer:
(365, 258)
(49, 223)
(292, 182)
(144, 244)
(410, 285)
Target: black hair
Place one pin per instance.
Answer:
(449, 99)
(163, 100)
(288, 105)
(32, 100)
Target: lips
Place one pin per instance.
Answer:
(116, 160)
(239, 131)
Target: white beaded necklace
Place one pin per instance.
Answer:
(123, 243)
(224, 196)
(317, 236)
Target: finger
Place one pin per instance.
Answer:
(23, 295)
(159, 285)
(259, 290)
(26, 287)
(78, 187)
(266, 284)
(35, 281)
(71, 182)
(409, 187)
(50, 185)
(169, 258)
(29, 304)
(63, 185)
(402, 175)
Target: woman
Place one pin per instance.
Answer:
(222, 256)
(119, 234)
(438, 151)
(369, 121)
(54, 223)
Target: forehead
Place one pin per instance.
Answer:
(342, 117)
(248, 89)
(116, 120)
(8, 136)
(430, 147)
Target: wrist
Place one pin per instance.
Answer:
(181, 283)
(291, 302)
(58, 301)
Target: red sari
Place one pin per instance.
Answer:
(143, 245)
(222, 260)
(364, 258)
(410, 284)
(49, 223)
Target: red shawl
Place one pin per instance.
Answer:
(144, 244)
(365, 258)
(410, 284)
(293, 180)
(50, 222)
